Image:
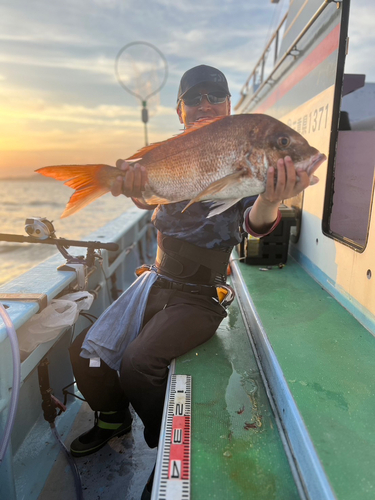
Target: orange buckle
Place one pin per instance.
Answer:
(225, 295)
(142, 269)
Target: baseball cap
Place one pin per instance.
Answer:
(202, 74)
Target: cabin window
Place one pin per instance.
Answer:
(352, 183)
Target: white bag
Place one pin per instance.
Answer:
(51, 321)
(83, 299)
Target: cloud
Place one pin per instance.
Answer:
(208, 7)
(58, 88)
(99, 65)
(361, 41)
(83, 37)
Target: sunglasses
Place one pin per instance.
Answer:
(212, 98)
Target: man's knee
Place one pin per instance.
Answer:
(139, 368)
(131, 363)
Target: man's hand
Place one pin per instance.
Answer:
(134, 181)
(288, 182)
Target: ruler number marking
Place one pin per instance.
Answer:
(175, 471)
(179, 409)
(177, 436)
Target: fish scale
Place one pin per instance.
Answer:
(222, 160)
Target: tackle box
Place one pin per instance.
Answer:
(271, 250)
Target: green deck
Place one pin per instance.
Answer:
(328, 360)
(236, 449)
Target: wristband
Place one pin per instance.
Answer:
(247, 228)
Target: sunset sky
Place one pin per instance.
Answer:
(60, 101)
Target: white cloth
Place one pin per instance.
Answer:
(119, 324)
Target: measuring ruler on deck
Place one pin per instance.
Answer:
(175, 468)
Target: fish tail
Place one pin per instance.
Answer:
(86, 181)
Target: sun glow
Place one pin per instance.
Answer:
(35, 132)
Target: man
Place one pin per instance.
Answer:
(183, 308)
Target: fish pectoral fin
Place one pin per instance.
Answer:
(218, 207)
(217, 186)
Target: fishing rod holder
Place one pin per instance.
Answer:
(41, 231)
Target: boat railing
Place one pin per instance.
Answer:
(30, 293)
(291, 51)
(259, 68)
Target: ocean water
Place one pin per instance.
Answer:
(23, 198)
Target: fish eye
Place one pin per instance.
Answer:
(283, 141)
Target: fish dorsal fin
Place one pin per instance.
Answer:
(193, 127)
(200, 124)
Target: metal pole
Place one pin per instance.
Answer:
(145, 119)
(146, 138)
